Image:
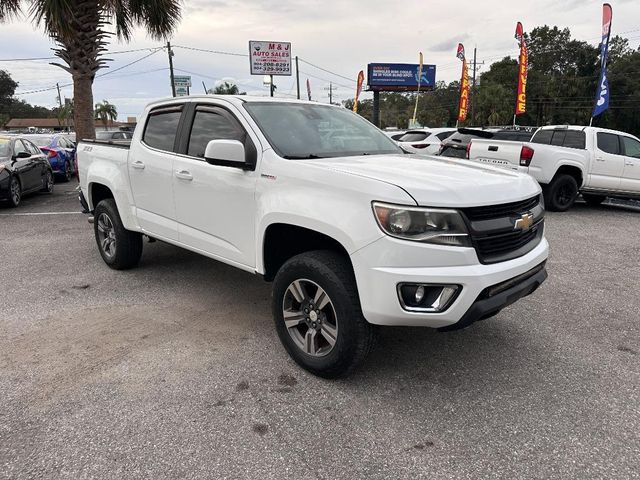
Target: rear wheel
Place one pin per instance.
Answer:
(15, 192)
(593, 200)
(318, 316)
(561, 193)
(47, 182)
(68, 171)
(120, 248)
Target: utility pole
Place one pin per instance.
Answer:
(297, 78)
(59, 95)
(170, 53)
(331, 89)
(271, 87)
(205, 88)
(473, 83)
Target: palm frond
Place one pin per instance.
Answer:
(159, 17)
(9, 9)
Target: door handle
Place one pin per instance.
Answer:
(138, 164)
(184, 175)
(599, 159)
(493, 148)
(629, 164)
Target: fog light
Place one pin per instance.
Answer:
(422, 297)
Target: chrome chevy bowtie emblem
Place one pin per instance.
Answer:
(524, 222)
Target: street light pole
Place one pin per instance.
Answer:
(170, 53)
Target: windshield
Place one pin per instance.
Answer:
(5, 145)
(42, 141)
(300, 131)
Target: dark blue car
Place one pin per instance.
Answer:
(60, 151)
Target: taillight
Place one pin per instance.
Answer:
(420, 145)
(468, 150)
(526, 155)
(50, 153)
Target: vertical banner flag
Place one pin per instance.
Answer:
(358, 90)
(308, 89)
(521, 99)
(464, 85)
(415, 109)
(603, 93)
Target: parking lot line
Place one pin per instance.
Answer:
(30, 214)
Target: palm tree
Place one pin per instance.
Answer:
(226, 88)
(79, 29)
(65, 113)
(105, 111)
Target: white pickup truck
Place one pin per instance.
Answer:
(566, 160)
(352, 231)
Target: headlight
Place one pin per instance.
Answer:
(428, 225)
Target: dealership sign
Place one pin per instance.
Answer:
(270, 58)
(400, 76)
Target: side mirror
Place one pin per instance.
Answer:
(226, 153)
(22, 155)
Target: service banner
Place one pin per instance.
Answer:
(521, 99)
(270, 58)
(464, 85)
(603, 93)
(358, 90)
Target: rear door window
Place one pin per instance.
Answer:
(444, 135)
(543, 137)
(609, 143)
(162, 126)
(574, 139)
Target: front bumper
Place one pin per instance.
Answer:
(382, 265)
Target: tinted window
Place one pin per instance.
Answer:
(513, 136)
(608, 142)
(414, 136)
(558, 137)
(542, 137)
(161, 129)
(574, 139)
(444, 135)
(210, 125)
(450, 151)
(631, 147)
(32, 148)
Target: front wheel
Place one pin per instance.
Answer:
(561, 193)
(120, 248)
(318, 316)
(15, 192)
(47, 182)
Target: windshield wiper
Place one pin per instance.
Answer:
(311, 156)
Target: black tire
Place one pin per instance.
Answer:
(561, 193)
(67, 175)
(593, 200)
(127, 245)
(15, 192)
(354, 337)
(47, 182)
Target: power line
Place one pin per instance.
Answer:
(217, 52)
(119, 52)
(327, 71)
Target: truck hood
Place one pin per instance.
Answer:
(438, 181)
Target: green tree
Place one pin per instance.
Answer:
(80, 28)
(65, 114)
(226, 88)
(105, 111)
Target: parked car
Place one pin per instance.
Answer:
(23, 169)
(394, 134)
(352, 231)
(456, 145)
(113, 135)
(566, 160)
(60, 151)
(425, 141)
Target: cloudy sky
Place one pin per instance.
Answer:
(341, 37)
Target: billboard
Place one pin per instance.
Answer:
(270, 58)
(400, 77)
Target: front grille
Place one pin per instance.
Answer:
(493, 230)
(504, 210)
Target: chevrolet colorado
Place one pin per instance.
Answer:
(352, 231)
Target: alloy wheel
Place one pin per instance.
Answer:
(15, 191)
(106, 235)
(310, 317)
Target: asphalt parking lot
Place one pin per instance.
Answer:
(174, 369)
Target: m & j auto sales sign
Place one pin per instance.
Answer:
(270, 58)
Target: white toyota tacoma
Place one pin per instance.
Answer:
(568, 160)
(352, 231)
